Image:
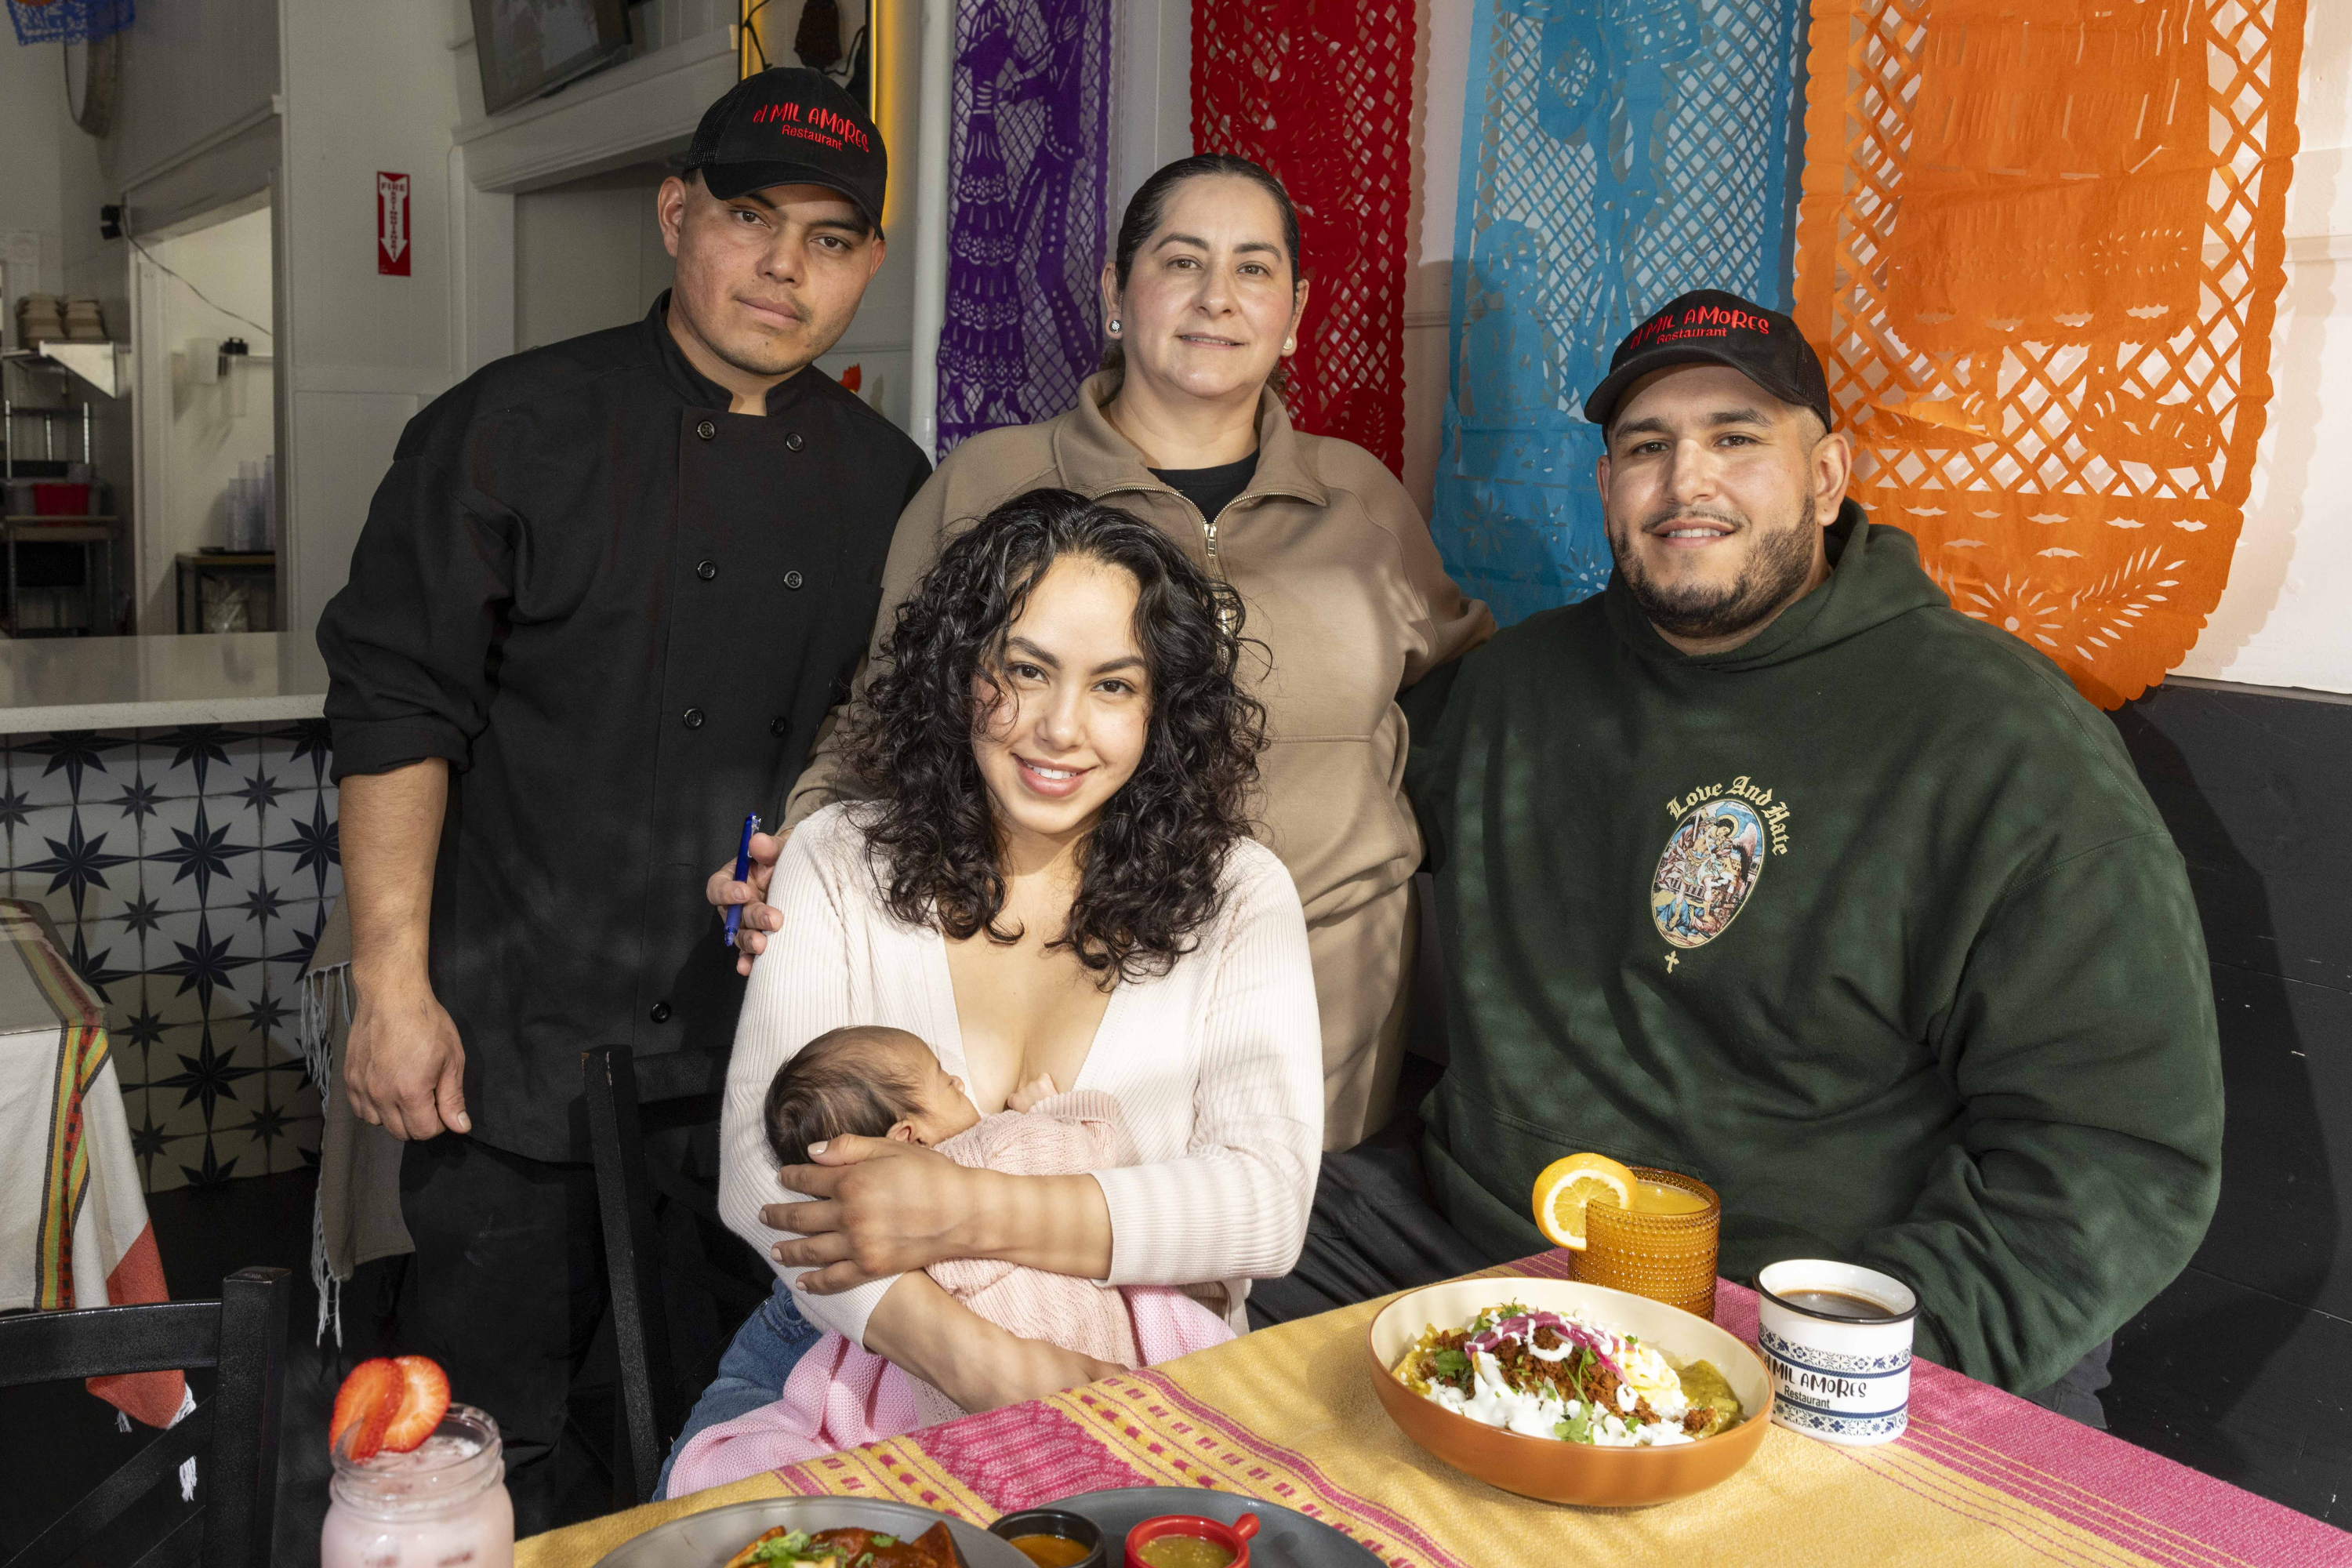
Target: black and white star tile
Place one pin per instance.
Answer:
(188, 872)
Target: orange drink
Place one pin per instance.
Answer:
(1661, 1244)
(1659, 1197)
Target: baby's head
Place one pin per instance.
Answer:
(863, 1081)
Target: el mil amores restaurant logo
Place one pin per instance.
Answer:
(819, 124)
(1699, 322)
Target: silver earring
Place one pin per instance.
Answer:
(1114, 326)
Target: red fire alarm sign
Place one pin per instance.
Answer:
(392, 248)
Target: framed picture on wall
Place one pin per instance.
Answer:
(530, 47)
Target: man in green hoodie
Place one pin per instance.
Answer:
(1768, 865)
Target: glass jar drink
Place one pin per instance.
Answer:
(443, 1506)
(1662, 1245)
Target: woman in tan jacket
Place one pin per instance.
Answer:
(1184, 428)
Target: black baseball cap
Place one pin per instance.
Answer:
(1708, 326)
(790, 126)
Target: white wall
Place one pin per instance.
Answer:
(33, 128)
(204, 439)
(196, 128)
(1441, 76)
(588, 255)
(194, 73)
(368, 87)
(2282, 620)
(1151, 93)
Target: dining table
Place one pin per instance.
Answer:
(74, 1230)
(1288, 1414)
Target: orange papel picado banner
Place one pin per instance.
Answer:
(2039, 247)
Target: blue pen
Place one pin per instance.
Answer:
(742, 871)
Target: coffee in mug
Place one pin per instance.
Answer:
(1837, 1341)
(1839, 1304)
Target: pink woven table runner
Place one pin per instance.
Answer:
(2013, 1479)
(1289, 1415)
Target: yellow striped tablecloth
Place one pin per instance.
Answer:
(1982, 1479)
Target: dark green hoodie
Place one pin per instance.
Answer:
(1868, 923)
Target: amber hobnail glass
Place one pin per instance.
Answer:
(1668, 1257)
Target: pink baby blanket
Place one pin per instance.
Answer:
(840, 1396)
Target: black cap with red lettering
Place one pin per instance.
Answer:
(790, 126)
(1709, 326)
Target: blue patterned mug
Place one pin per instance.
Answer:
(1837, 1339)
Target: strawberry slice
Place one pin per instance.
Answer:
(364, 1405)
(424, 1400)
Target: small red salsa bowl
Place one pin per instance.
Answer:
(1235, 1537)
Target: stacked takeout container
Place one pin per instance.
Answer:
(46, 318)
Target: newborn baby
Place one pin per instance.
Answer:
(871, 1081)
(876, 1082)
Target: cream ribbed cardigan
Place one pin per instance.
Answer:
(1217, 1066)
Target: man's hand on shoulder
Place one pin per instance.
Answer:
(404, 1068)
(759, 917)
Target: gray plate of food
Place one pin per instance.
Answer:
(815, 1532)
(1286, 1537)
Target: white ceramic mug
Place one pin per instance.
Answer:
(1840, 1379)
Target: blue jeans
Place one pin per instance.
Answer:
(751, 1373)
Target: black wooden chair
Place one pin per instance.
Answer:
(232, 1434)
(635, 1195)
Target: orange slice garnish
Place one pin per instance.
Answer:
(1568, 1185)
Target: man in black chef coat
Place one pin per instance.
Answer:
(603, 600)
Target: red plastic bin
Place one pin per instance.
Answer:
(62, 500)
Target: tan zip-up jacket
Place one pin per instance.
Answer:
(1342, 583)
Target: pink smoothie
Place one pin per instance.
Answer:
(443, 1506)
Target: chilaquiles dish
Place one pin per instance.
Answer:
(847, 1548)
(1545, 1375)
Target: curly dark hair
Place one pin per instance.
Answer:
(1152, 869)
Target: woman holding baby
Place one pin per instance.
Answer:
(1048, 891)
(1346, 604)
(1203, 297)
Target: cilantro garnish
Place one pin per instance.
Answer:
(1577, 1428)
(1486, 1320)
(1451, 1366)
(885, 1542)
(790, 1547)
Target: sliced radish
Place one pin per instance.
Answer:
(424, 1400)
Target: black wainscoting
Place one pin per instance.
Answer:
(2243, 1368)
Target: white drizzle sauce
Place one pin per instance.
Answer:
(1537, 1414)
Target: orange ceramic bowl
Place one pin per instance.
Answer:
(1546, 1467)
